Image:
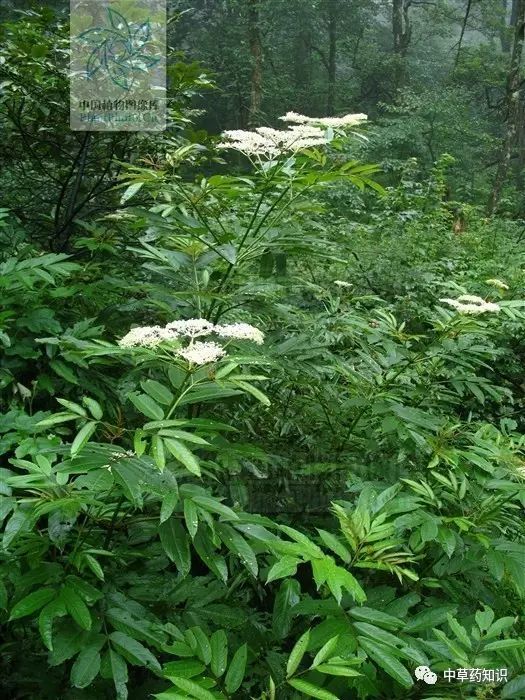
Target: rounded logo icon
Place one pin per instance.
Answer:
(423, 673)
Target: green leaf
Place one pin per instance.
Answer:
(119, 673)
(158, 392)
(459, 631)
(94, 566)
(336, 578)
(135, 652)
(499, 626)
(236, 670)
(310, 690)
(205, 549)
(238, 545)
(203, 647)
(250, 389)
(176, 544)
(147, 406)
(56, 418)
(45, 621)
(325, 651)
(284, 567)
(183, 455)
(388, 663)
(428, 618)
(86, 667)
(63, 371)
(130, 191)
(297, 654)
(219, 652)
(287, 597)
(337, 670)
(33, 601)
(378, 617)
(82, 437)
(93, 407)
(76, 607)
(191, 516)
(73, 407)
(505, 644)
(169, 502)
(335, 545)
(484, 619)
(212, 505)
(157, 449)
(514, 689)
(378, 634)
(185, 668)
(195, 690)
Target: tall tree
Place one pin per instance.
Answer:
(254, 35)
(513, 97)
(401, 27)
(332, 56)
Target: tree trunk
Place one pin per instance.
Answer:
(302, 60)
(504, 31)
(513, 108)
(463, 30)
(402, 32)
(401, 27)
(514, 12)
(256, 55)
(332, 56)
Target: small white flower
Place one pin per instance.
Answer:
(121, 455)
(146, 336)
(471, 298)
(497, 283)
(334, 122)
(268, 142)
(342, 283)
(200, 353)
(193, 327)
(242, 331)
(473, 305)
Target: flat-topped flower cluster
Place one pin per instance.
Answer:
(306, 132)
(196, 352)
(470, 304)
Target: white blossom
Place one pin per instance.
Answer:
(242, 331)
(193, 327)
(146, 336)
(342, 283)
(470, 304)
(334, 122)
(268, 142)
(200, 353)
(497, 283)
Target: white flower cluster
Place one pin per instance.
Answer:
(470, 304)
(333, 122)
(268, 142)
(146, 336)
(197, 352)
(342, 283)
(241, 331)
(200, 353)
(193, 327)
(497, 283)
